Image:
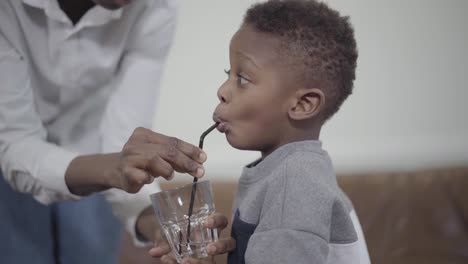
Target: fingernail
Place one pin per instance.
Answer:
(202, 156)
(200, 172)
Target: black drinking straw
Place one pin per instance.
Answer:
(195, 180)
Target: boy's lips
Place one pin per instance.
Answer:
(222, 127)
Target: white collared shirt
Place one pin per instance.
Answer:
(67, 90)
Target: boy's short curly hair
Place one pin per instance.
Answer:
(317, 39)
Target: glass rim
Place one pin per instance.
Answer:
(170, 191)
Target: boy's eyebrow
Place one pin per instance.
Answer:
(247, 57)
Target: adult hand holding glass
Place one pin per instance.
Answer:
(221, 246)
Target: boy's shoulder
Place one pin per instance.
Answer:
(311, 175)
(305, 170)
(311, 169)
(304, 194)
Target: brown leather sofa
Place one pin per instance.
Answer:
(418, 217)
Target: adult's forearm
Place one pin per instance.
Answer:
(92, 173)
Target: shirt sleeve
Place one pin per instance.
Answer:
(137, 82)
(29, 163)
(133, 102)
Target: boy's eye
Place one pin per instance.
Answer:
(242, 80)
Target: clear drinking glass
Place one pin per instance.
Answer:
(186, 235)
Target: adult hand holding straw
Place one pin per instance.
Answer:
(145, 156)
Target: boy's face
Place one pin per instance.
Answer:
(254, 99)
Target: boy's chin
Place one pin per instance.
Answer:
(237, 143)
(231, 140)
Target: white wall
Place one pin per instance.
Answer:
(408, 109)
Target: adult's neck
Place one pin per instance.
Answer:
(75, 9)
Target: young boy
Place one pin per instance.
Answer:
(292, 66)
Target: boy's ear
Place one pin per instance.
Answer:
(307, 103)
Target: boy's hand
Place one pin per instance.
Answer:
(216, 221)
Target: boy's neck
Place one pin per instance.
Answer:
(295, 135)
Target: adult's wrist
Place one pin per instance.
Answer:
(92, 173)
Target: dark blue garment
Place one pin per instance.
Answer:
(241, 232)
(67, 232)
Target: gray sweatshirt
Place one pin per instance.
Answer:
(289, 209)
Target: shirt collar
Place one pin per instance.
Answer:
(96, 16)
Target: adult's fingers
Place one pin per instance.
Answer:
(154, 160)
(162, 160)
(189, 150)
(180, 161)
(167, 259)
(161, 246)
(180, 155)
(158, 167)
(208, 260)
(216, 221)
(221, 246)
(163, 252)
(160, 250)
(134, 179)
(148, 136)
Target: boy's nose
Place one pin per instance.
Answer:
(221, 98)
(223, 93)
